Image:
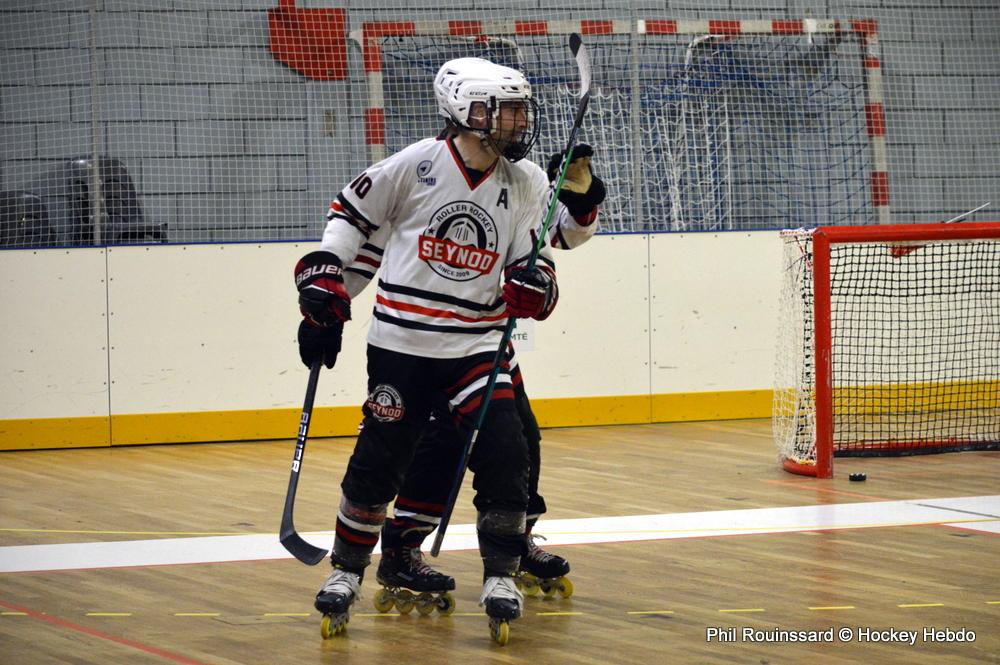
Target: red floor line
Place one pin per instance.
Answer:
(63, 623)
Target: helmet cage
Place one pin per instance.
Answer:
(512, 144)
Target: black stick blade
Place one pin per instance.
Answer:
(575, 43)
(300, 549)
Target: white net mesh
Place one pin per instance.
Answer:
(757, 131)
(914, 339)
(409, 65)
(731, 132)
(794, 406)
(196, 121)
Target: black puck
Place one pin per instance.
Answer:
(858, 477)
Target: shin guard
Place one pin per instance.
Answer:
(412, 522)
(358, 528)
(501, 541)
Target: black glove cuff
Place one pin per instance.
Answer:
(318, 265)
(533, 277)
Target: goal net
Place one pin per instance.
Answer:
(699, 125)
(888, 343)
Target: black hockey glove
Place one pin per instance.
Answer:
(530, 293)
(323, 300)
(320, 343)
(582, 191)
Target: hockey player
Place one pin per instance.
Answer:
(418, 508)
(460, 210)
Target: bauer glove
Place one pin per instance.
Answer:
(323, 300)
(582, 191)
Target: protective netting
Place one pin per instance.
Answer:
(192, 121)
(409, 65)
(915, 338)
(793, 412)
(744, 132)
(755, 132)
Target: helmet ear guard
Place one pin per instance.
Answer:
(464, 85)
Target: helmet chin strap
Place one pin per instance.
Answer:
(489, 143)
(495, 148)
(485, 134)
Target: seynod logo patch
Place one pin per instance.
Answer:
(460, 242)
(423, 169)
(385, 404)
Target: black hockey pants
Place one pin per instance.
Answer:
(403, 390)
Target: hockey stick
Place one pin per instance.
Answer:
(899, 251)
(583, 64)
(961, 218)
(288, 536)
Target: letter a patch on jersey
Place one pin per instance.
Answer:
(502, 199)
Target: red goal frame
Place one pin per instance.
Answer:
(908, 237)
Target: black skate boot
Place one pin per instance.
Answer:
(403, 571)
(541, 570)
(334, 600)
(502, 601)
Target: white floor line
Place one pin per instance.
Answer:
(980, 513)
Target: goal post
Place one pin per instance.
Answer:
(700, 125)
(888, 343)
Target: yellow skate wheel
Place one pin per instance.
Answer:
(330, 626)
(446, 604)
(565, 587)
(383, 600)
(529, 584)
(548, 588)
(404, 602)
(425, 604)
(324, 627)
(500, 632)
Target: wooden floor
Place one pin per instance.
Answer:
(635, 602)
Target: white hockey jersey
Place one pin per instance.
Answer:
(564, 232)
(447, 243)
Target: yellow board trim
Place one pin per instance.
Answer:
(266, 424)
(37, 433)
(924, 397)
(722, 405)
(586, 411)
(251, 425)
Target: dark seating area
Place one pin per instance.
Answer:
(122, 217)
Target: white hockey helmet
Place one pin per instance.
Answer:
(463, 82)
